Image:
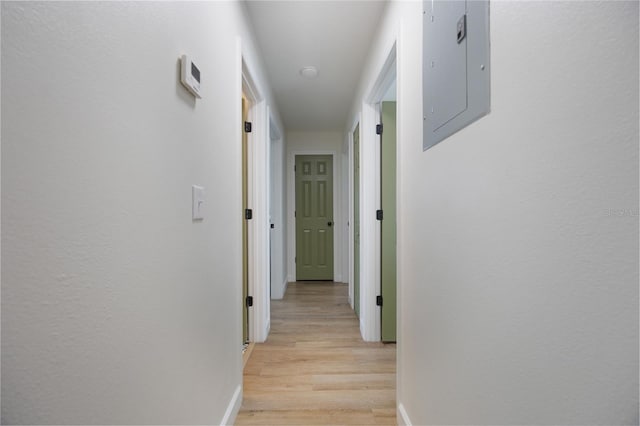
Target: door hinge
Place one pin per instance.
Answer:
(379, 215)
(295, 259)
(295, 169)
(378, 129)
(295, 213)
(248, 214)
(249, 301)
(247, 126)
(379, 300)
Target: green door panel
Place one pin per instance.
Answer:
(388, 244)
(314, 217)
(356, 220)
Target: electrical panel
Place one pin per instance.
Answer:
(455, 66)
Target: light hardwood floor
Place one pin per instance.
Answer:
(314, 368)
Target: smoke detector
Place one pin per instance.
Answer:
(309, 72)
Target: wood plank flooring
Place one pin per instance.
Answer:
(314, 368)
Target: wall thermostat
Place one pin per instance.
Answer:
(190, 76)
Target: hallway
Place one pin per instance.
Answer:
(314, 368)
(148, 212)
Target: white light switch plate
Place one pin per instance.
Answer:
(197, 193)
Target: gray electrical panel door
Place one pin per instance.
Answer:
(448, 63)
(456, 78)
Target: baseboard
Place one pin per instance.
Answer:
(280, 292)
(233, 408)
(402, 416)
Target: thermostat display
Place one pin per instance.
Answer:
(190, 76)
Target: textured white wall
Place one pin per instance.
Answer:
(518, 236)
(301, 143)
(116, 307)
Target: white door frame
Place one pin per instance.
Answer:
(350, 208)
(370, 232)
(291, 204)
(277, 213)
(258, 190)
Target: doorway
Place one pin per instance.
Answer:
(314, 217)
(369, 208)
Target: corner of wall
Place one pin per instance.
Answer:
(233, 408)
(402, 417)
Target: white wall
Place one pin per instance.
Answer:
(301, 143)
(518, 236)
(116, 307)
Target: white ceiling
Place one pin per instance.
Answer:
(333, 36)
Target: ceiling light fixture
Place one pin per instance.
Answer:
(309, 72)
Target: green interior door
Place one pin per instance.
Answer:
(245, 229)
(314, 217)
(388, 244)
(356, 220)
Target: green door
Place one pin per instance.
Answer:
(388, 244)
(356, 220)
(314, 217)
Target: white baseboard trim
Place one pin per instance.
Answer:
(402, 416)
(233, 408)
(284, 286)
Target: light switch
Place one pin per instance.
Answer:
(197, 195)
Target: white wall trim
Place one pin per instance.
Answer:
(260, 225)
(357, 119)
(233, 408)
(400, 116)
(291, 207)
(277, 210)
(369, 226)
(402, 417)
(385, 77)
(258, 190)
